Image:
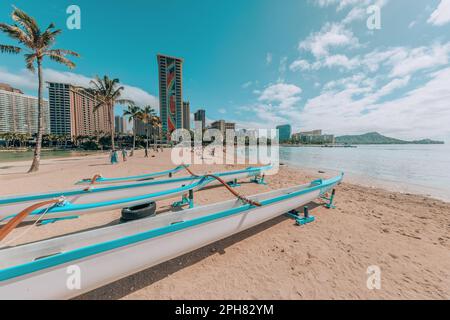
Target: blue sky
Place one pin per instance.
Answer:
(260, 63)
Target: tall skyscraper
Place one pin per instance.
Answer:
(200, 115)
(120, 125)
(19, 112)
(170, 92)
(284, 132)
(72, 111)
(186, 116)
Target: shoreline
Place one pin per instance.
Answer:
(406, 235)
(355, 179)
(377, 183)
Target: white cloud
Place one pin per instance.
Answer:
(268, 58)
(222, 110)
(286, 95)
(441, 15)
(422, 112)
(300, 65)
(341, 60)
(26, 80)
(247, 84)
(412, 24)
(282, 68)
(406, 62)
(401, 61)
(331, 35)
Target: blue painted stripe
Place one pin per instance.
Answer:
(80, 253)
(70, 207)
(143, 176)
(15, 199)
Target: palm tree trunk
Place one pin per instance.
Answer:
(146, 142)
(134, 138)
(111, 121)
(37, 150)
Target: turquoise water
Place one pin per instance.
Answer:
(10, 156)
(423, 169)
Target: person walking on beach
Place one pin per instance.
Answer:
(124, 155)
(146, 153)
(114, 157)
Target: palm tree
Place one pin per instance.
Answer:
(38, 45)
(148, 117)
(134, 113)
(107, 92)
(156, 123)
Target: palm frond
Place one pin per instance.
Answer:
(61, 59)
(29, 60)
(116, 93)
(48, 37)
(16, 33)
(9, 49)
(27, 22)
(124, 101)
(62, 52)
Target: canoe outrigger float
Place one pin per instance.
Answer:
(65, 267)
(92, 198)
(102, 180)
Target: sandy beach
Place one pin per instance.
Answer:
(407, 236)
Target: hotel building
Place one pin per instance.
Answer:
(170, 92)
(72, 111)
(200, 115)
(284, 132)
(19, 112)
(120, 125)
(186, 116)
(223, 126)
(313, 137)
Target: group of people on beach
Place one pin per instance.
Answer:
(114, 155)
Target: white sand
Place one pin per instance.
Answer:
(407, 236)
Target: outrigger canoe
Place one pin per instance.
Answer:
(65, 267)
(101, 198)
(143, 177)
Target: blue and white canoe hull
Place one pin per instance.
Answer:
(135, 246)
(103, 198)
(143, 177)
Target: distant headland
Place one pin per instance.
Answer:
(377, 138)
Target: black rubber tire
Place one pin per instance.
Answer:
(138, 212)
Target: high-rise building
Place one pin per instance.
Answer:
(186, 116)
(223, 126)
(200, 115)
(313, 137)
(19, 112)
(143, 129)
(120, 125)
(284, 132)
(170, 92)
(72, 111)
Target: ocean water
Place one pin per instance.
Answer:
(11, 156)
(421, 169)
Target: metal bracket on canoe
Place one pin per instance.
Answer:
(234, 183)
(330, 200)
(299, 219)
(189, 200)
(259, 180)
(53, 220)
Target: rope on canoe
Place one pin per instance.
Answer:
(92, 181)
(230, 189)
(14, 222)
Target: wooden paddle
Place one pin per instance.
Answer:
(14, 222)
